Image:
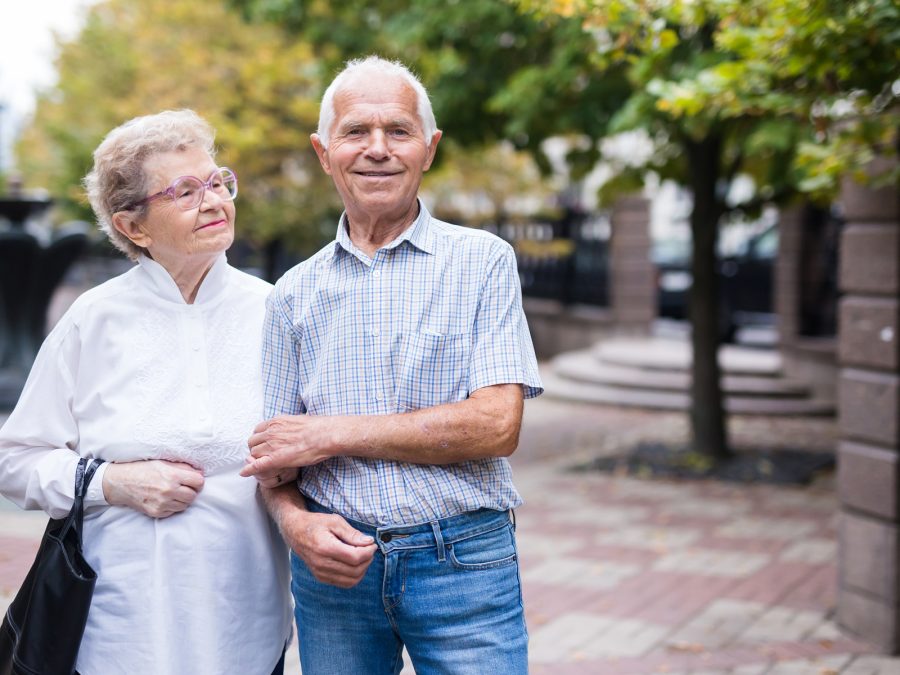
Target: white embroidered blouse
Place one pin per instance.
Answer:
(133, 372)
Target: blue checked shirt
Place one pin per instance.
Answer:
(435, 315)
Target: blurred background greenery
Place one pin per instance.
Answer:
(791, 94)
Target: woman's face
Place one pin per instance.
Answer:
(177, 238)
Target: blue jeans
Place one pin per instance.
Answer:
(448, 590)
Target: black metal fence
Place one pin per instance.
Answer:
(565, 260)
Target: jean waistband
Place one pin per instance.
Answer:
(423, 535)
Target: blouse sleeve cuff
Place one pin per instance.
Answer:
(94, 496)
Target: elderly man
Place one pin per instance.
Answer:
(396, 361)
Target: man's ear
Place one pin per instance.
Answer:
(322, 152)
(126, 224)
(432, 149)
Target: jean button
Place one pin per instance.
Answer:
(386, 537)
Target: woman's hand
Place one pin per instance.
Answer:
(154, 487)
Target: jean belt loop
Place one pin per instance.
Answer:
(438, 540)
(512, 518)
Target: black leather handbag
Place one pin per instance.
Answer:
(43, 627)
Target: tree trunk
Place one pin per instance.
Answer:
(707, 406)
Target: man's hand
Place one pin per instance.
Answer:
(288, 441)
(334, 552)
(154, 487)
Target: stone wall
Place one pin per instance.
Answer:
(868, 411)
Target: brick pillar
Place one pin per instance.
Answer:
(787, 274)
(632, 275)
(868, 410)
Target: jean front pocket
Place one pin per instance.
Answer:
(433, 371)
(487, 550)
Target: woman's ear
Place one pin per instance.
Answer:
(126, 224)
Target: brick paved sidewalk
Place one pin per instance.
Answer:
(630, 576)
(648, 576)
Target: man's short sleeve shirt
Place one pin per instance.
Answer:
(433, 316)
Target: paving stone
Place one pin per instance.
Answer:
(23, 524)
(625, 637)
(713, 563)
(766, 528)
(607, 516)
(815, 551)
(782, 623)
(751, 669)
(706, 509)
(872, 665)
(559, 639)
(655, 491)
(655, 538)
(580, 635)
(771, 584)
(817, 590)
(586, 574)
(719, 625)
(826, 665)
(827, 631)
(537, 546)
(802, 501)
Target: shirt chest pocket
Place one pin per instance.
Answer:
(433, 369)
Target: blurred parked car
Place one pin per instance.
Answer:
(746, 278)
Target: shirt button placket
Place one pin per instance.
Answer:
(373, 316)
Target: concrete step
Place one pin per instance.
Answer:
(582, 392)
(583, 366)
(673, 354)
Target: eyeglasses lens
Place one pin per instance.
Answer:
(188, 191)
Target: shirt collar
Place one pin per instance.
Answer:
(164, 286)
(419, 234)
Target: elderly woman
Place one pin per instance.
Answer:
(157, 372)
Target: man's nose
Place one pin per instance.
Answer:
(378, 145)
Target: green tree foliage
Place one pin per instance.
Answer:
(255, 84)
(494, 184)
(477, 58)
(792, 94)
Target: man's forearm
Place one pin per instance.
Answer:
(479, 427)
(283, 503)
(484, 425)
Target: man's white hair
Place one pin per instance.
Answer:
(374, 67)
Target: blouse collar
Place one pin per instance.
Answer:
(163, 285)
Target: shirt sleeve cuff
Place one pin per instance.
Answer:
(94, 496)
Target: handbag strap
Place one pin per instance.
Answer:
(84, 472)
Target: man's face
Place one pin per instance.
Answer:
(377, 152)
